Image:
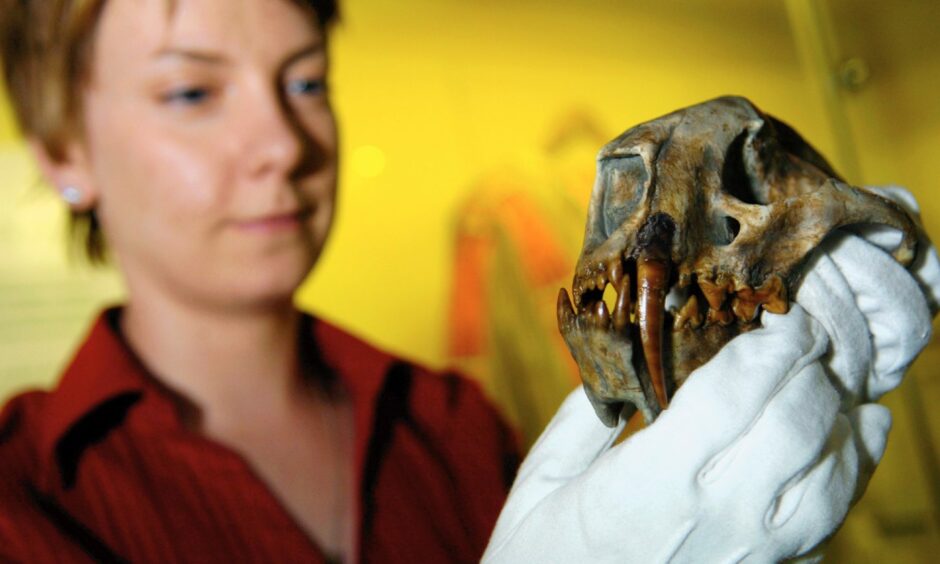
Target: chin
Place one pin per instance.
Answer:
(277, 281)
(260, 280)
(273, 286)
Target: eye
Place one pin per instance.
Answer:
(306, 87)
(187, 95)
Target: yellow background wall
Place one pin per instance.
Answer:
(435, 95)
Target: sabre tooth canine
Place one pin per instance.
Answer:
(652, 285)
(652, 252)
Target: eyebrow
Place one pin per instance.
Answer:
(214, 58)
(315, 48)
(197, 55)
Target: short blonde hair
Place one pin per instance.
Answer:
(46, 48)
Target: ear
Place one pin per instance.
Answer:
(70, 175)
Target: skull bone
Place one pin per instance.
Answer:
(724, 204)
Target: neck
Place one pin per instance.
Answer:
(231, 365)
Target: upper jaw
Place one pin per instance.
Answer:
(635, 350)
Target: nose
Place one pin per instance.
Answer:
(274, 139)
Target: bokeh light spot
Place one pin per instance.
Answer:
(368, 161)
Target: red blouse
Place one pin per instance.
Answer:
(102, 468)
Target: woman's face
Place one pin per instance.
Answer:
(210, 147)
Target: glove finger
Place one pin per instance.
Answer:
(826, 295)
(813, 505)
(926, 266)
(573, 439)
(784, 442)
(891, 302)
(721, 399)
(872, 423)
(742, 481)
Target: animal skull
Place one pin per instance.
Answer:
(718, 206)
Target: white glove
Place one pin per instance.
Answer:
(758, 457)
(738, 466)
(870, 306)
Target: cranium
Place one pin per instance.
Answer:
(718, 206)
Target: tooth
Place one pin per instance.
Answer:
(744, 310)
(600, 281)
(689, 314)
(565, 312)
(777, 301)
(577, 290)
(652, 277)
(719, 317)
(601, 315)
(714, 293)
(744, 307)
(616, 272)
(623, 305)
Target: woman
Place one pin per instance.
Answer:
(208, 420)
(207, 415)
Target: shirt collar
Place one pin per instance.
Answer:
(103, 368)
(363, 370)
(105, 376)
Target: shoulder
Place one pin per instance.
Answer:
(20, 423)
(20, 420)
(450, 401)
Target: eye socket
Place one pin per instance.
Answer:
(624, 180)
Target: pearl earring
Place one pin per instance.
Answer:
(71, 194)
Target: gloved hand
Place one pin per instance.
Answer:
(750, 460)
(761, 452)
(870, 306)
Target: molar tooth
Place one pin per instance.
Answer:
(719, 317)
(600, 281)
(715, 294)
(689, 314)
(744, 307)
(775, 297)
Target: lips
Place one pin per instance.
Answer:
(273, 222)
